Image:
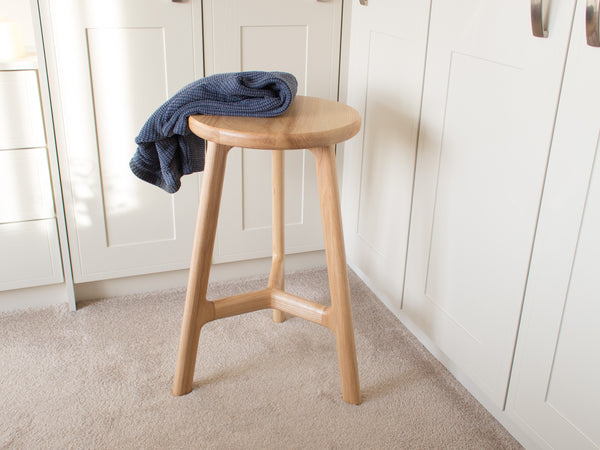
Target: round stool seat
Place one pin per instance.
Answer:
(309, 122)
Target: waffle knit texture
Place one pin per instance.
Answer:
(167, 149)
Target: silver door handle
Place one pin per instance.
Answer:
(364, 2)
(537, 19)
(591, 23)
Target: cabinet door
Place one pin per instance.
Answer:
(490, 96)
(387, 59)
(554, 386)
(302, 38)
(112, 63)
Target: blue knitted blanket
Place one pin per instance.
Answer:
(167, 149)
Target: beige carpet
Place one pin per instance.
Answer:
(101, 378)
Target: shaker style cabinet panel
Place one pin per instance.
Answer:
(111, 64)
(490, 95)
(302, 38)
(554, 387)
(385, 82)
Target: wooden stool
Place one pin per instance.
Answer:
(311, 123)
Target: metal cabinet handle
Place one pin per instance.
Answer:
(591, 23)
(537, 19)
(364, 2)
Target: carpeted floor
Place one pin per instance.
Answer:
(101, 378)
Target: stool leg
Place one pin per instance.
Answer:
(337, 272)
(198, 310)
(277, 277)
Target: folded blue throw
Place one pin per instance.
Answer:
(167, 149)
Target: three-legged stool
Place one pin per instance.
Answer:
(311, 123)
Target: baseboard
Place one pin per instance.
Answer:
(34, 297)
(520, 433)
(179, 278)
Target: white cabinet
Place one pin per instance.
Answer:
(490, 94)
(554, 387)
(111, 64)
(385, 81)
(487, 268)
(479, 137)
(302, 38)
(29, 243)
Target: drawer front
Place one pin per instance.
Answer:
(21, 122)
(30, 254)
(25, 186)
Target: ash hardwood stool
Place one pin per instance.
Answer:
(311, 123)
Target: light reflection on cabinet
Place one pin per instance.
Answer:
(111, 65)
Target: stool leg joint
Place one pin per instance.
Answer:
(273, 299)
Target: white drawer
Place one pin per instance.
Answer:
(29, 254)
(25, 186)
(21, 121)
